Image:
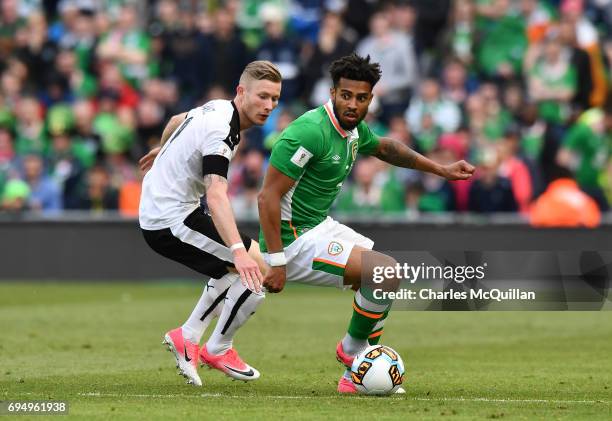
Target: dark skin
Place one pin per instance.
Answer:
(351, 99)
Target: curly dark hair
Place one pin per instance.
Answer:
(354, 67)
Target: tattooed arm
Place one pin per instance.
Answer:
(400, 155)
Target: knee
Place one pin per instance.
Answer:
(255, 300)
(353, 281)
(369, 267)
(387, 266)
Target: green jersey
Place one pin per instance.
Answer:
(554, 111)
(593, 148)
(318, 154)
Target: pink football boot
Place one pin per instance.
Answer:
(186, 355)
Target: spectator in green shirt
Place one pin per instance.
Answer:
(586, 150)
(552, 79)
(30, 127)
(503, 40)
(7, 153)
(285, 118)
(486, 116)
(372, 191)
(129, 46)
(15, 196)
(431, 114)
(533, 130)
(461, 34)
(10, 22)
(432, 193)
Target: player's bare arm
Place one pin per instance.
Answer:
(398, 154)
(276, 184)
(146, 161)
(172, 125)
(223, 218)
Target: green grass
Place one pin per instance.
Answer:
(98, 347)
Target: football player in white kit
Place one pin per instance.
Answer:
(192, 161)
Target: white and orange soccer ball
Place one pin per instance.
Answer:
(377, 370)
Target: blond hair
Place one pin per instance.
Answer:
(260, 70)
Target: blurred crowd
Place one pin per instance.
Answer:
(518, 87)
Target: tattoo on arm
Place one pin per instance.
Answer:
(396, 153)
(209, 178)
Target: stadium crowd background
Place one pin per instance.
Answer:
(519, 88)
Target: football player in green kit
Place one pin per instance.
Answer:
(307, 167)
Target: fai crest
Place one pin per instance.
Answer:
(354, 149)
(334, 248)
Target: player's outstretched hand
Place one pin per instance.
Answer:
(146, 161)
(459, 170)
(275, 279)
(248, 269)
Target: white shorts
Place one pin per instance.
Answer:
(319, 256)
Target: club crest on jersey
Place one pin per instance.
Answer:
(301, 157)
(225, 151)
(354, 149)
(334, 248)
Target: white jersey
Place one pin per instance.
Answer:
(172, 188)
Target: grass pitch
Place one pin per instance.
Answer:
(98, 346)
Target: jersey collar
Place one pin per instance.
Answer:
(329, 109)
(235, 123)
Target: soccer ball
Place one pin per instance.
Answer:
(377, 370)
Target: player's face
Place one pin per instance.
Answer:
(260, 97)
(351, 99)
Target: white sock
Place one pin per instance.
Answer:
(208, 307)
(240, 305)
(353, 346)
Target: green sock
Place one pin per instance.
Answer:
(375, 335)
(368, 315)
(363, 321)
(367, 312)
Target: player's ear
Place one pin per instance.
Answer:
(332, 92)
(240, 89)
